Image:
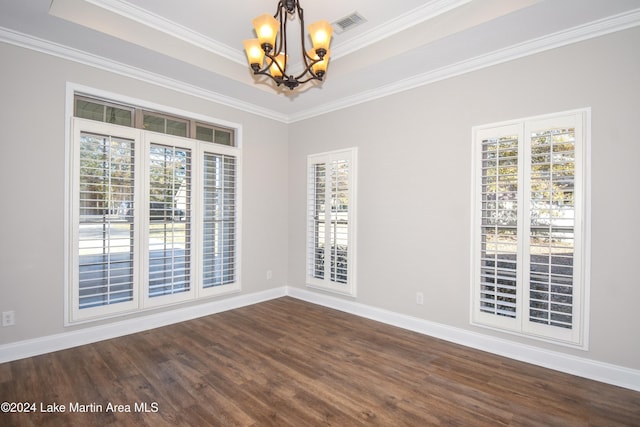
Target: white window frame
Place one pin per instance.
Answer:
(577, 336)
(326, 283)
(162, 139)
(216, 149)
(140, 302)
(74, 313)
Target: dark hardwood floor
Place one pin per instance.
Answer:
(290, 363)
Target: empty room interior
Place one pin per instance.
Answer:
(369, 213)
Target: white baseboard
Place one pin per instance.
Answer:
(603, 372)
(579, 366)
(48, 344)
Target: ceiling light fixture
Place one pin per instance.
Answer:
(272, 44)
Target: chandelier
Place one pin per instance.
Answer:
(272, 44)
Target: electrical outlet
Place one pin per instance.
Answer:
(269, 274)
(8, 318)
(419, 298)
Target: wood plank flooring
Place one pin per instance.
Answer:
(286, 362)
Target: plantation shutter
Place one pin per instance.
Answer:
(169, 235)
(105, 264)
(499, 225)
(316, 214)
(330, 228)
(103, 242)
(553, 237)
(219, 220)
(339, 229)
(529, 189)
(153, 220)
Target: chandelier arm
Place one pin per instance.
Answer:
(305, 57)
(278, 81)
(312, 76)
(309, 70)
(273, 61)
(283, 39)
(308, 66)
(280, 16)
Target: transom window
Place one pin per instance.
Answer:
(107, 111)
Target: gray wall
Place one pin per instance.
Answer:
(32, 175)
(414, 184)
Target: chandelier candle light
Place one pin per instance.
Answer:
(274, 47)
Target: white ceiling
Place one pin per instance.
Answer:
(196, 45)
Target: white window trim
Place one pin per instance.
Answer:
(579, 337)
(70, 232)
(349, 288)
(214, 291)
(73, 314)
(150, 138)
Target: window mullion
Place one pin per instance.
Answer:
(141, 217)
(524, 226)
(328, 218)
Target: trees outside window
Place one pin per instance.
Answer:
(136, 199)
(529, 270)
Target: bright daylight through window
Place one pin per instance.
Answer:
(530, 242)
(136, 199)
(331, 204)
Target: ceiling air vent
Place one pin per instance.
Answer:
(348, 22)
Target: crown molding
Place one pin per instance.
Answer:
(566, 37)
(161, 24)
(420, 14)
(583, 32)
(95, 61)
(414, 17)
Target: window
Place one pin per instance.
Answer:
(165, 124)
(529, 270)
(219, 220)
(102, 110)
(331, 217)
(104, 228)
(136, 200)
(169, 237)
(209, 133)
